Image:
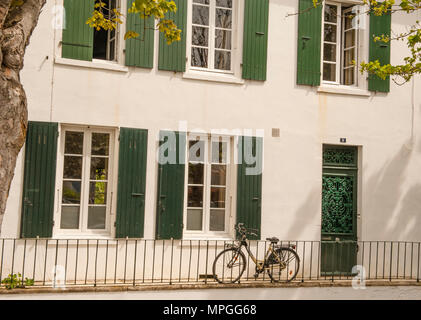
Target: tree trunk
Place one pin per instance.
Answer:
(17, 21)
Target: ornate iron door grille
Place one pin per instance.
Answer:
(339, 210)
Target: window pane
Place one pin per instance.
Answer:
(218, 175)
(201, 15)
(71, 192)
(222, 39)
(100, 144)
(349, 75)
(196, 173)
(197, 150)
(195, 197)
(348, 57)
(330, 13)
(99, 168)
(349, 17)
(219, 152)
(224, 3)
(222, 60)
(69, 217)
(96, 217)
(72, 167)
(329, 53)
(97, 193)
(349, 38)
(100, 44)
(112, 46)
(199, 57)
(201, 1)
(73, 143)
(194, 219)
(329, 72)
(330, 32)
(217, 220)
(223, 18)
(200, 36)
(217, 197)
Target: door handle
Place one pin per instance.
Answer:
(137, 194)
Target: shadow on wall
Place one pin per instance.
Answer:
(311, 207)
(392, 213)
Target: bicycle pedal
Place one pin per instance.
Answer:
(256, 275)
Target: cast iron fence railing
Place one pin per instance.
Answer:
(74, 262)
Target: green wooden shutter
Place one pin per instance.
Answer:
(139, 51)
(170, 201)
(131, 183)
(249, 184)
(379, 50)
(173, 57)
(308, 43)
(39, 180)
(77, 42)
(255, 39)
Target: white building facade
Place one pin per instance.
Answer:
(257, 115)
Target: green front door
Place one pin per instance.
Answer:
(339, 210)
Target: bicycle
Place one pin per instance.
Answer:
(281, 262)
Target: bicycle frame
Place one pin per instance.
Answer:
(261, 265)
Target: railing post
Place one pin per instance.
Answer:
(1, 264)
(391, 260)
(144, 261)
(162, 260)
(23, 262)
(206, 268)
(304, 257)
(55, 264)
(134, 266)
(172, 252)
(96, 260)
(418, 267)
(45, 261)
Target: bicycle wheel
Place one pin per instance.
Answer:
(229, 265)
(284, 265)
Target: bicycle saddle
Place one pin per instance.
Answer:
(273, 239)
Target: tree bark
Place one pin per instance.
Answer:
(17, 23)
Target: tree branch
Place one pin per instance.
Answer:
(4, 10)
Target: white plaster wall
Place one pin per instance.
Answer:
(380, 124)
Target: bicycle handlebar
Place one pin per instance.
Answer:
(243, 230)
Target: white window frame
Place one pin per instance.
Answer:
(230, 188)
(361, 50)
(109, 39)
(83, 231)
(118, 64)
(234, 75)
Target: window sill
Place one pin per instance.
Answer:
(82, 237)
(95, 64)
(343, 90)
(214, 77)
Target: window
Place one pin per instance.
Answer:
(339, 44)
(86, 179)
(207, 176)
(105, 40)
(212, 35)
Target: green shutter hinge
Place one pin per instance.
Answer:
(53, 223)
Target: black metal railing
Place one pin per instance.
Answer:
(74, 262)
